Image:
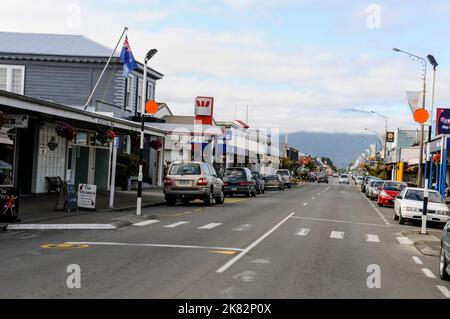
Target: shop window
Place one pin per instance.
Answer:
(7, 140)
(129, 95)
(12, 78)
(82, 138)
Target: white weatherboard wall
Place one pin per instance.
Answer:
(52, 163)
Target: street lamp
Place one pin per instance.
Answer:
(424, 63)
(423, 229)
(148, 56)
(434, 63)
(385, 131)
(378, 136)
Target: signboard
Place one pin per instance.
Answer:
(9, 204)
(204, 109)
(442, 121)
(390, 137)
(71, 203)
(17, 121)
(86, 196)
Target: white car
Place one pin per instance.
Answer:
(359, 180)
(408, 206)
(343, 179)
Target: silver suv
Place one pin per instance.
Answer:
(193, 180)
(286, 176)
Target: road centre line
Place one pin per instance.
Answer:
(417, 260)
(243, 227)
(303, 232)
(154, 245)
(339, 221)
(210, 226)
(176, 224)
(252, 245)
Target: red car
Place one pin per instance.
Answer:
(388, 191)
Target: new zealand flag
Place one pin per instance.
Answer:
(129, 63)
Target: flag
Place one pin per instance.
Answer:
(413, 99)
(129, 63)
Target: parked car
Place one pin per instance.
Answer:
(343, 179)
(444, 257)
(359, 180)
(259, 182)
(286, 176)
(408, 206)
(239, 180)
(274, 181)
(193, 180)
(312, 178)
(335, 175)
(388, 191)
(322, 179)
(366, 181)
(372, 189)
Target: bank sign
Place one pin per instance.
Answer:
(442, 121)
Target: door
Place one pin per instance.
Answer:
(101, 175)
(81, 165)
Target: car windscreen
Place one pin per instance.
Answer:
(377, 183)
(391, 186)
(417, 195)
(344, 176)
(271, 178)
(185, 169)
(234, 173)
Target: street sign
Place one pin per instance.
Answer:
(442, 121)
(71, 203)
(204, 109)
(390, 137)
(151, 107)
(17, 121)
(421, 116)
(9, 204)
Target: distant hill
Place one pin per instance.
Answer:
(340, 147)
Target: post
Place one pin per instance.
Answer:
(423, 230)
(112, 188)
(385, 140)
(141, 149)
(104, 69)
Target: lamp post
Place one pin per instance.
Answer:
(424, 77)
(434, 63)
(148, 56)
(423, 229)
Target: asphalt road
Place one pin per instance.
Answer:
(313, 241)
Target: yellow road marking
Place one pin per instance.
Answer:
(233, 200)
(224, 252)
(64, 246)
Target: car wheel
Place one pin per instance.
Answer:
(209, 199)
(263, 190)
(248, 194)
(443, 266)
(395, 215)
(171, 200)
(401, 220)
(221, 198)
(380, 205)
(254, 193)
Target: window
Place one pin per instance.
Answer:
(129, 95)
(139, 96)
(185, 169)
(12, 78)
(149, 91)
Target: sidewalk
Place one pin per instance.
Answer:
(38, 212)
(429, 244)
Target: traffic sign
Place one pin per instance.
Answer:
(151, 107)
(421, 116)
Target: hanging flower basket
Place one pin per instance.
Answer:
(155, 144)
(3, 119)
(106, 136)
(65, 130)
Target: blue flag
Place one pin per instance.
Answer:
(129, 63)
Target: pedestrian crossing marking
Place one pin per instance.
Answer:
(210, 226)
(372, 238)
(337, 234)
(176, 224)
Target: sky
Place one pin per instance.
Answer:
(299, 65)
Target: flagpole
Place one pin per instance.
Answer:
(125, 29)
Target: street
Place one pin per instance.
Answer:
(311, 241)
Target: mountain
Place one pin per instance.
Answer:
(342, 148)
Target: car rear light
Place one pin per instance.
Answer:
(202, 182)
(168, 182)
(226, 183)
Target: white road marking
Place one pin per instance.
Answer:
(313, 198)
(154, 245)
(303, 232)
(404, 240)
(147, 222)
(176, 224)
(417, 260)
(61, 227)
(337, 234)
(339, 221)
(372, 238)
(327, 188)
(428, 273)
(376, 210)
(444, 291)
(318, 194)
(252, 245)
(210, 226)
(243, 227)
(304, 204)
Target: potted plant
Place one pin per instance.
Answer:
(106, 136)
(156, 144)
(65, 130)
